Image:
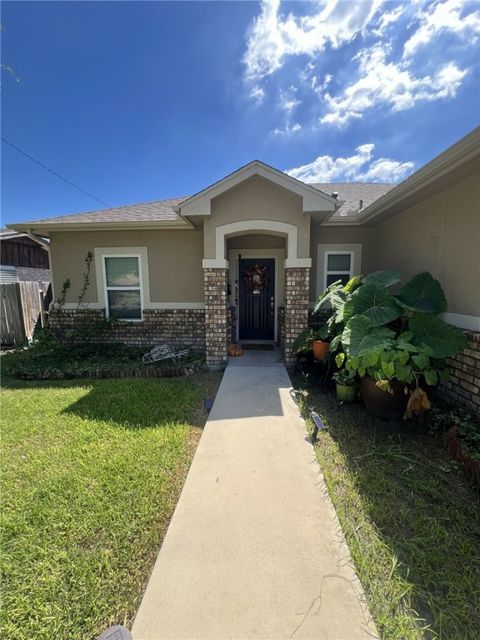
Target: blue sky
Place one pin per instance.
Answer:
(148, 100)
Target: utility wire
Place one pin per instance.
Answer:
(27, 155)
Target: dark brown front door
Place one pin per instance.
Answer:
(256, 286)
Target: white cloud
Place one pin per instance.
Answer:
(273, 36)
(387, 19)
(443, 17)
(320, 88)
(258, 94)
(359, 167)
(288, 129)
(389, 84)
(385, 73)
(288, 101)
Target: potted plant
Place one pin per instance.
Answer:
(312, 340)
(320, 343)
(394, 370)
(345, 386)
(397, 344)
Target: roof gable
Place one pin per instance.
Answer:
(313, 200)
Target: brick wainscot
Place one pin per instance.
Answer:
(176, 327)
(463, 386)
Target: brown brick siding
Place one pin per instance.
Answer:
(281, 328)
(216, 316)
(176, 327)
(232, 324)
(297, 281)
(463, 386)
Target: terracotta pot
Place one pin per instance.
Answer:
(320, 349)
(346, 393)
(382, 403)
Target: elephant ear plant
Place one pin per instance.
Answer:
(393, 337)
(336, 295)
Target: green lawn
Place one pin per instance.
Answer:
(91, 473)
(411, 521)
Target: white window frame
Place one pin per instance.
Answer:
(107, 288)
(327, 272)
(323, 248)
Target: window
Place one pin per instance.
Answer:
(123, 290)
(337, 261)
(338, 266)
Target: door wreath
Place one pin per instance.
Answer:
(255, 277)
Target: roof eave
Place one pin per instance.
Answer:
(463, 151)
(342, 222)
(100, 226)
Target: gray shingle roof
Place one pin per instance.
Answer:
(349, 193)
(154, 211)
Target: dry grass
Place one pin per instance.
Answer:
(411, 522)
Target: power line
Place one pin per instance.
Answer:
(27, 155)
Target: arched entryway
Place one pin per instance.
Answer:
(278, 310)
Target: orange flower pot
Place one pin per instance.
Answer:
(320, 349)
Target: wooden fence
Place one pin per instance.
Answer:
(23, 305)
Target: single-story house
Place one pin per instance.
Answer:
(246, 257)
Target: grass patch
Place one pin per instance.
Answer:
(410, 519)
(91, 473)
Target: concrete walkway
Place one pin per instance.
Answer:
(254, 549)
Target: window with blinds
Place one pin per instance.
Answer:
(123, 290)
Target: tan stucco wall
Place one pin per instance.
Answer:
(256, 241)
(258, 199)
(440, 235)
(174, 261)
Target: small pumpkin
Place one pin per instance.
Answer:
(234, 350)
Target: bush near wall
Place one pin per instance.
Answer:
(97, 360)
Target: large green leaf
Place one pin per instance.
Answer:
(382, 278)
(443, 339)
(360, 337)
(335, 343)
(373, 301)
(353, 284)
(326, 296)
(423, 293)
